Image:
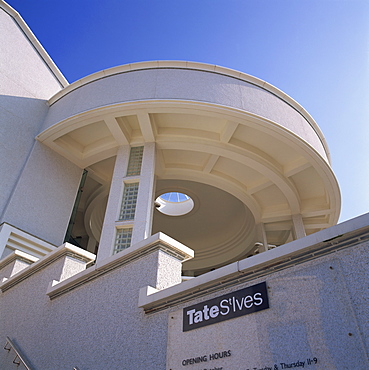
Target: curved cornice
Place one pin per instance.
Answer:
(199, 67)
(250, 155)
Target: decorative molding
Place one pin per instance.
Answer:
(16, 239)
(152, 244)
(17, 255)
(63, 251)
(311, 247)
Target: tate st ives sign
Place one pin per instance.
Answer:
(229, 306)
(311, 322)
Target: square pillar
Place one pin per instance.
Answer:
(145, 198)
(298, 226)
(129, 212)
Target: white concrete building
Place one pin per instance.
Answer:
(150, 211)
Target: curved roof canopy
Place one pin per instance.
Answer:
(245, 152)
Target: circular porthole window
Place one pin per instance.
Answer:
(174, 204)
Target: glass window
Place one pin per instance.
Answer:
(135, 161)
(128, 207)
(122, 239)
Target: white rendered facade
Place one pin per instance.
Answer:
(252, 160)
(208, 131)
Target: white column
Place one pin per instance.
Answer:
(91, 245)
(298, 226)
(145, 198)
(261, 235)
(141, 224)
(107, 239)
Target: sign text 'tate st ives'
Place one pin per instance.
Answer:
(239, 303)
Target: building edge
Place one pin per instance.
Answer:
(35, 43)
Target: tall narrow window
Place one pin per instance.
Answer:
(122, 239)
(135, 161)
(128, 207)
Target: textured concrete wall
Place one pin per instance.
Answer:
(23, 71)
(42, 201)
(318, 309)
(183, 84)
(96, 326)
(20, 120)
(26, 82)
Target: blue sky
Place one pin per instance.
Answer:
(315, 51)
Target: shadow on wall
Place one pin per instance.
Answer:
(38, 186)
